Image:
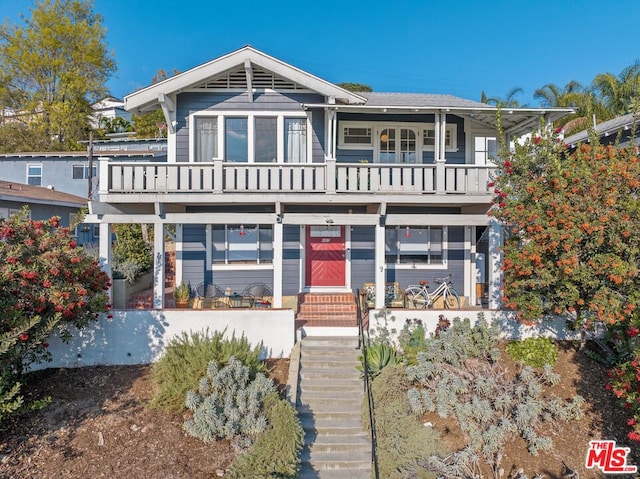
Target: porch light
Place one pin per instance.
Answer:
(384, 138)
(407, 232)
(242, 232)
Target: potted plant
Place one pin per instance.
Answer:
(181, 294)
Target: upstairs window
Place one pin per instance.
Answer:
(415, 245)
(81, 172)
(295, 140)
(34, 174)
(266, 139)
(236, 139)
(206, 139)
(356, 136)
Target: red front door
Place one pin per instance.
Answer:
(325, 256)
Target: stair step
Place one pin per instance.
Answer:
(324, 408)
(310, 473)
(332, 342)
(337, 459)
(331, 386)
(314, 439)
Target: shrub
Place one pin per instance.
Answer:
(379, 356)
(534, 352)
(412, 340)
(625, 384)
(458, 377)
(401, 437)
(228, 404)
(186, 359)
(276, 452)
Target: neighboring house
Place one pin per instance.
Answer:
(44, 203)
(69, 171)
(616, 131)
(278, 176)
(108, 108)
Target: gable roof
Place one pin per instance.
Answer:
(10, 191)
(606, 128)
(237, 69)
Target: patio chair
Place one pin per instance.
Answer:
(211, 296)
(258, 291)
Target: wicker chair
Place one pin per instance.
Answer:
(211, 296)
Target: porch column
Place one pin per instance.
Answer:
(469, 280)
(158, 265)
(330, 169)
(495, 263)
(179, 254)
(439, 157)
(381, 267)
(278, 241)
(105, 252)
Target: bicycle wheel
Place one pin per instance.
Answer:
(415, 295)
(451, 299)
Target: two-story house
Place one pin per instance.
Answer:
(278, 176)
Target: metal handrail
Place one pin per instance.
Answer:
(362, 345)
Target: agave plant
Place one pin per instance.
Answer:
(379, 356)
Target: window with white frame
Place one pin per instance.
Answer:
(242, 244)
(429, 137)
(271, 138)
(206, 138)
(356, 136)
(81, 172)
(485, 149)
(415, 245)
(34, 174)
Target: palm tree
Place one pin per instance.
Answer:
(509, 101)
(618, 92)
(551, 95)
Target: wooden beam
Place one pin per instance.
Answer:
(249, 72)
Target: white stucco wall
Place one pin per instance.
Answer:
(509, 326)
(139, 337)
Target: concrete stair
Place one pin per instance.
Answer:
(330, 395)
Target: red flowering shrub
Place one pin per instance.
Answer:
(47, 284)
(625, 384)
(571, 221)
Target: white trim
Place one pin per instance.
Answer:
(469, 280)
(33, 176)
(240, 266)
(179, 253)
(250, 115)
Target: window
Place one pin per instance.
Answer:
(206, 139)
(356, 136)
(34, 174)
(415, 245)
(266, 139)
(295, 140)
(242, 244)
(236, 137)
(81, 172)
(485, 150)
(429, 137)
(253, 138)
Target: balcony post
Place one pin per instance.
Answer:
(218, 175)
(105, 251)
(495, 261)
(103, 175)
(441, 175)
(381, 266)
(330, 172)
(158, 265)
(278, 235)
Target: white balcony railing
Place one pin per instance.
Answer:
(329, 177)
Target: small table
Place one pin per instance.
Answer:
(240, 301)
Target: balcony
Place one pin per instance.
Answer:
(333, 178)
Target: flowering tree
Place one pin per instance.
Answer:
(47, 284)
(572, 222)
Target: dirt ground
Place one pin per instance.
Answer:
(97, 426)
(603, 419)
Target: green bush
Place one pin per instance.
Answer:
(402, 438)
(534, 352)
(276, 452)
(412, 340)
(186, 359)
(228, 404)
(379, 356)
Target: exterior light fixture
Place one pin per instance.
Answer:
(407, 232)
(242, 232)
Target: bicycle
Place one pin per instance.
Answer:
(421, 298)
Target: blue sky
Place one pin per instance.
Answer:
(457, 47)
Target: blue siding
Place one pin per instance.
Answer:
(192, 102)
(291, 260)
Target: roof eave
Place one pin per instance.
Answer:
(147, 98)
